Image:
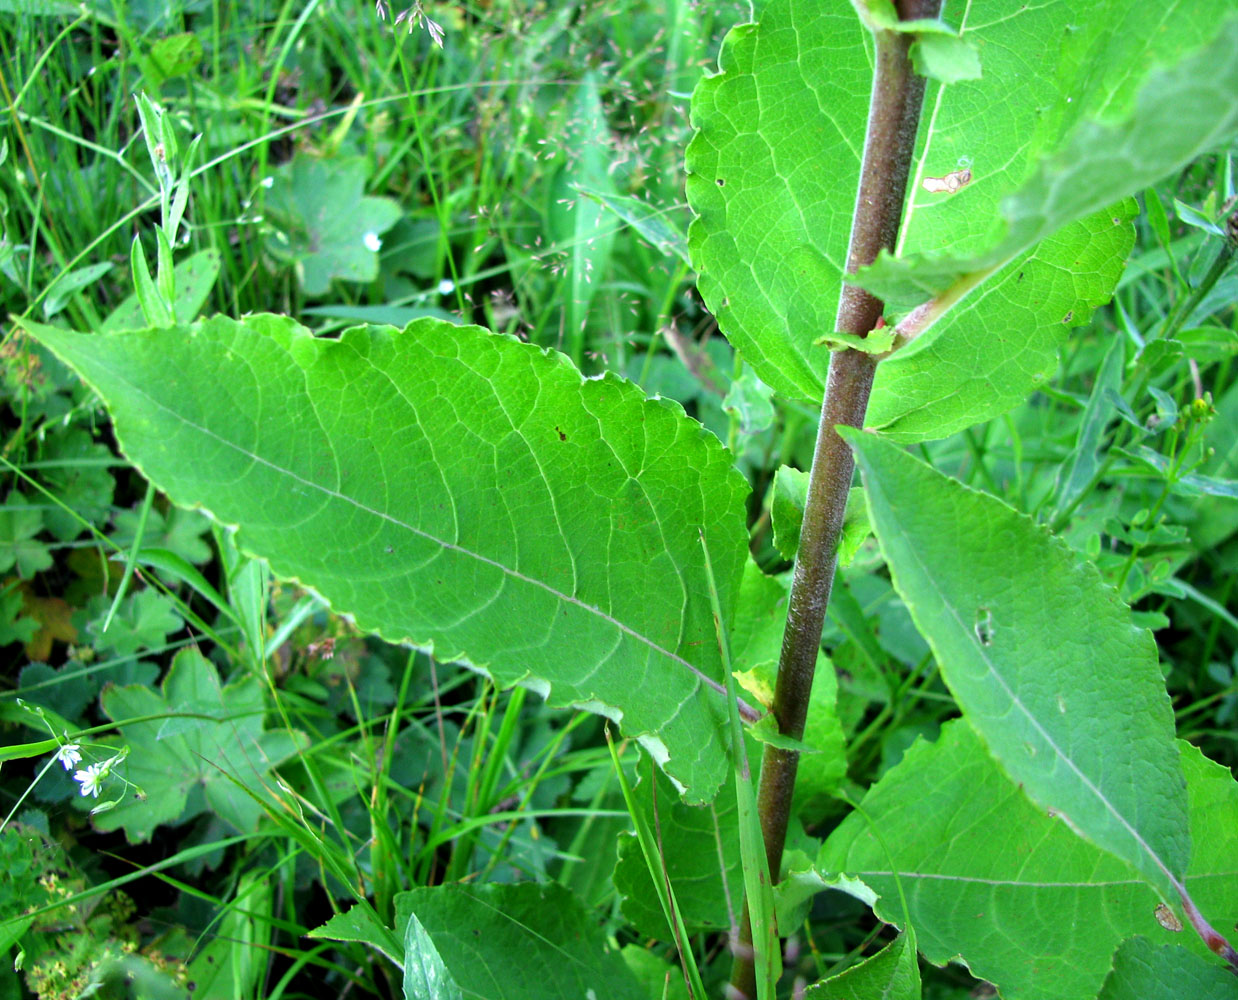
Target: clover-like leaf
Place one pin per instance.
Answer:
(328, 227)
(20, 522)
(78, 475)
(198, 746)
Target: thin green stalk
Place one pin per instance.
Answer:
(894, 115)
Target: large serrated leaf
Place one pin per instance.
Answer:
(459, 490)
(1002, 342)
(991, 878)
(1091, 126)
(773, 173)
(1040, 654)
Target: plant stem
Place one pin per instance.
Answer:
(894, 116)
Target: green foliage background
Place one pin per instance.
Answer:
(289, 773)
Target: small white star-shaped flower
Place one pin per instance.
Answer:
(68, 755)
(91, 779)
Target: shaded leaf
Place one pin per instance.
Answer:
(204, 749)
(66, 690)
(20, 522)
(55, 622)
(14, 627)
(699, 846)
(78, 473)
(1143, 970)
(993, 879)
(330, 228)
(787, 516)
(891, 974)
(512, 942)
(1041, 656)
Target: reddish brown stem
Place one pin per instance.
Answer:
(894, 116)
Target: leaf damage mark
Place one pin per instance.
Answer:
(1167, 918)
(950, 184)
(984, 626)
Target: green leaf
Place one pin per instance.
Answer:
(1088, 138)
(20, 522)
(657, 225)
(66, 690)
(994, 880)
(787, 514)
(1196, 219)
(68, 284)
(945, 57)
(40, 8)
(426, 977)
(661, 979)
(1001, 343)
(1144, 970)
(360, 923)
(156, 311)
(1076, 474)
(142, 622)
(211, 754)
(1041, 656)
(891, 974)
(79, 475)
(756, 642)
(514, 942)
(708, 884)
(329, 228)
(1215, 519)
(751, 400)
(13, 627)
(458, 490)
(772, 175)
(170, 57)
(195, 277)
(180, 532)
(773, 172)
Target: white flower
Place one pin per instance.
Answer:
(268, 182)
(91, 779)
(68, 755)
(446, 286)
(372, 242)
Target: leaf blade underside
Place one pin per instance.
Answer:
(455, 490)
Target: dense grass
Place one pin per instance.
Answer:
(414, 772)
